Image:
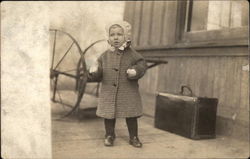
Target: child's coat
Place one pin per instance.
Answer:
(119, 97)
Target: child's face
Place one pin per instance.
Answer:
(116, 36)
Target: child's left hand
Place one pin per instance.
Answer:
(131, 72)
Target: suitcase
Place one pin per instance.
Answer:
(186, 115)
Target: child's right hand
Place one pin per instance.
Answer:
(93, 69)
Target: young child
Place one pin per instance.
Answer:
(119, 69)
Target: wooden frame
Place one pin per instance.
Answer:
(225, 37)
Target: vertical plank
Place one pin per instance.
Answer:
(173, 85)
(191, 73)
(222, 86)
(210, 77)
(163, 76)
(243, 110)
(198, 75)
(167, 85)
(155, 79)
(161, 79)
(203, 77)
(186, 71)
(244, 93)
(164, 25)
(182, 77)
(180, 74)
(163, 17)
(166, 76)
(157, 22)
(144, 82)
(129, 12)
(146, 79)
(231, 108)
(216, 63)
(228, 85)
(145, 23)
(150, 80)
(151, 22)
(137, 23)
(217, 90)
(169, 25)
(236, 82)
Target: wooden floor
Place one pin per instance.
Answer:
(82, 137)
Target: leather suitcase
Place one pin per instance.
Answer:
(186, 115)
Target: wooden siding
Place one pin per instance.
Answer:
(141, 14)
(218, 77)
(211, 71)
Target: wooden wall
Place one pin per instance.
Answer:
(145, 33)
(219, 77)
(210, 72)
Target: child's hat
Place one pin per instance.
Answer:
(126, 27)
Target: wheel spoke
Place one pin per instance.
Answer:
(69, 70)
(66, 74)
(60, 98)
(54, 46)
(64, 55)
(55, 88)
(61, 101)
(78, 74)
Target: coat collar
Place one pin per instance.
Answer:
(121, 48)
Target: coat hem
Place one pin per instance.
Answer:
(130, 116)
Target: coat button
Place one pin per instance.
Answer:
(116, 69)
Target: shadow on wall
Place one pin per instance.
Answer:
(86, 22)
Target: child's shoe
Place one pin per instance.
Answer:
(135, 142)
(109, 140)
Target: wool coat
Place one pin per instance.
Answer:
(119, 96)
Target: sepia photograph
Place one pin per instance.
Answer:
(125, 79)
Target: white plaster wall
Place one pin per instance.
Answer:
(25, 105)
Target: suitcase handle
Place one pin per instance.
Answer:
(188, 88)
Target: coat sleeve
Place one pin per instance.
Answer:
(96, 76)
(140, 67)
